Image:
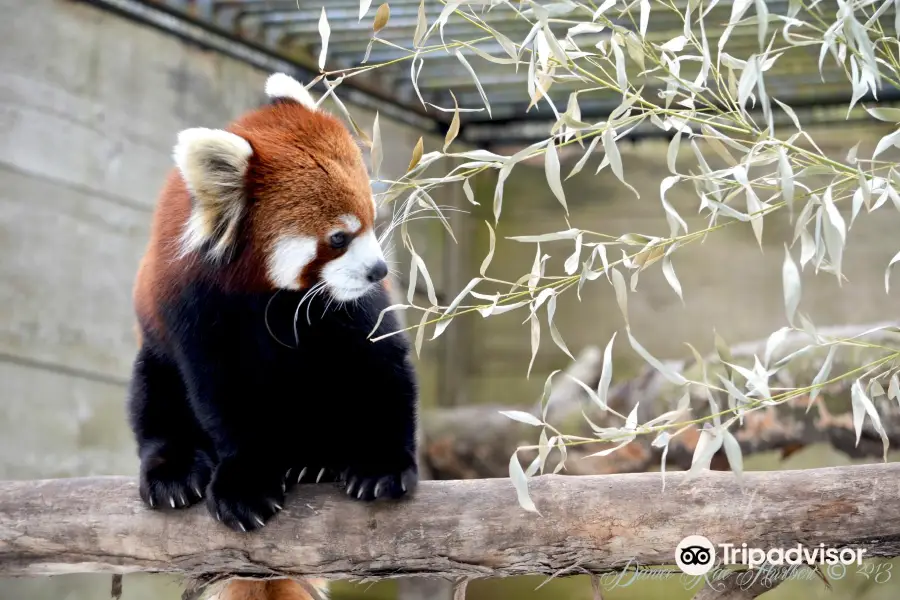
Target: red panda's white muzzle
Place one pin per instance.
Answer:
(353, 273)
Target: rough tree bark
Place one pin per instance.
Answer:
(476, 441)
(473, 528)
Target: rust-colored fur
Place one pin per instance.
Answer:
(305, 172)
(273, 589)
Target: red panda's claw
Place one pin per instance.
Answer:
(243, 496)
(322, 475)
(375, 487)
(173, 478)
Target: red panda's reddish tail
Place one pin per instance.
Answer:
(272, 589)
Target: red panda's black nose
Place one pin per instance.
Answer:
(377, 272)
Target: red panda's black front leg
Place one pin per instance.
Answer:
(176, 460)
(382, 458)
(248, 485)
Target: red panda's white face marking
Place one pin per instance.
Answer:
(287, 259)
(351, 222)
(286, 188)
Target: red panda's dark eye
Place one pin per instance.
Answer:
(338, 240)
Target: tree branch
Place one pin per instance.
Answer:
(476, 441)
(449, 529)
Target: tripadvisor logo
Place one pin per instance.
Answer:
(695, 555)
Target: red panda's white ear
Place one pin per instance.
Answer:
(213, 164)
(280, 85)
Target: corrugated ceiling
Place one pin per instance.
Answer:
(288, 31)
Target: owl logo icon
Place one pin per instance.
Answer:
(695, 555)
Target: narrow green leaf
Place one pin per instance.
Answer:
(535, 342)
(490, 255)
(453, 130)
(609, 451)
(862, 406)
(708, 444)
(471, 71)
(591, 393)
(822, 376)
(669, 272)
(547, 394)
(520, 482)
(894, 388)
(835, 232)
(364, 8)
(584, 158)
(554, 331)
(381, 315)
(421, 25)
(571, 264)
(606, 372)
(645, 17)
(420, 330)
(733, 454)
(665, 371)
(324, 33)
(621, 292)
(890, 115)
(672, 153)
(787, 181)
(790, 278)
(498, 190)
(614, 158)
(887, 273)
(551, 169)
(470, 194)
(568, 234)
(775, 340)
(443, 324)
(522, 417)
(376, 152)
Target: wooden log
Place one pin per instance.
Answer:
(474, 528)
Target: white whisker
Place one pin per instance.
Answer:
(308, 295)
(266, 319)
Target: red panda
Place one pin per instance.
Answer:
(260, 285)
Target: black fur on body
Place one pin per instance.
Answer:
(242, 395)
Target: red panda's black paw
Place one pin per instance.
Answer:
(375, 487)
(243, 497)
(173, 478)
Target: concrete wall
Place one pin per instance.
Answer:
(90, 104)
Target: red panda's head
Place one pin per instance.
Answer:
(285, 183)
